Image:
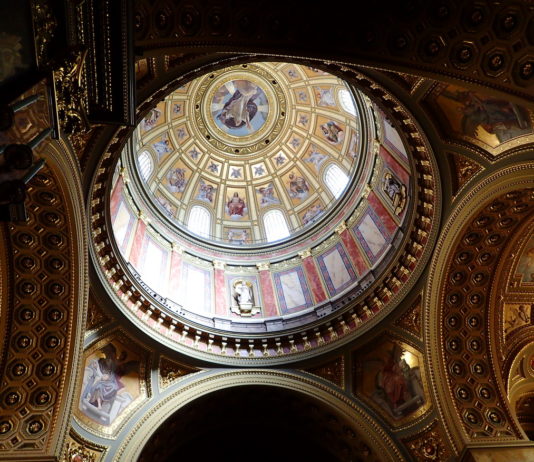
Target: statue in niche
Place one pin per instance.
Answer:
(243, 298)
(395, 191)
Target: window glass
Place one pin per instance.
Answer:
(199, 221)
(275, 225)
(347, 103)
(336, 180)
(145, 165)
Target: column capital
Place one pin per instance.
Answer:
(305, 253)
(263, 266)
(341, 227)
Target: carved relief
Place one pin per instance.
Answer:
(428, 445)
(411, 319)
(78, 449)
(463, 170)
(170, 372)
(95, 316)
(71, 93)
(334, 371)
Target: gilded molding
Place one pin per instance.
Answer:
(71, 93)
(428, 445)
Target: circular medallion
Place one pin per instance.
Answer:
(239, 108)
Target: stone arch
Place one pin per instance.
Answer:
(466, 379)
(358, 422)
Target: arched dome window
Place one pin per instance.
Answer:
(347, 103)
(275, 225)
(199, 221)
(146, 166)
(336, 180)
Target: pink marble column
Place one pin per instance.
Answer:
(382, 212)
(312, 274)
(353, 251)
(116, 196)
(221, 307)
(175, 273)
(137, 245)
(267, 291)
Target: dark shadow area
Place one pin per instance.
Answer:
(255, 423)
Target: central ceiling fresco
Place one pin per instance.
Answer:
(261, 199)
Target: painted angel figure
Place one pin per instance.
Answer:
(177, 180)
(206, 192)
(162, 147)
(151, 119)
(325, 97)
(267, 195)
(312, 213)
(333, 132)
(316, 158)
(298, 187)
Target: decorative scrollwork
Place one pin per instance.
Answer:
(71, 93)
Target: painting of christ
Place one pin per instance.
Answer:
(239, 107)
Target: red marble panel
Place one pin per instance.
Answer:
(382, 212)
(220, 293)
(394, 165)
(137, 245)
(267, 293)
(354, 252)
(175, 275)
(314, 279)
(116, 196)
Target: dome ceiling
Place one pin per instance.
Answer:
(246, 140)
(240, 143)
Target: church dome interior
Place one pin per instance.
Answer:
(250, 231)
(310, 149)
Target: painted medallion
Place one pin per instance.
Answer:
(239, 107)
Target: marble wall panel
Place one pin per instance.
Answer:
(336, 269)
(292, 290)
(372, 235)
(197, 288)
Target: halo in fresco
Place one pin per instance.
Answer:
(240, 107)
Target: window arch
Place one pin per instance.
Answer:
(347, 102)
(146, 166)
(336, 180)
(199, 221)
(275, 225)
